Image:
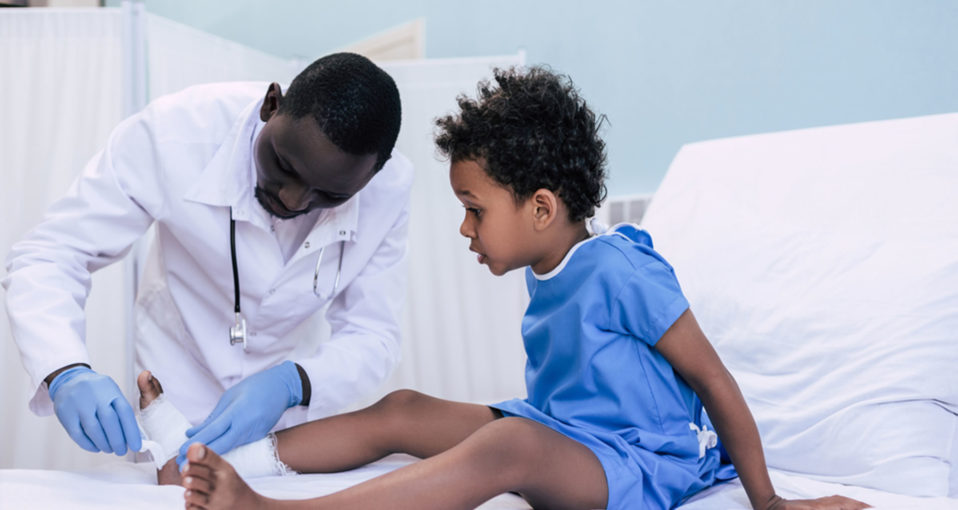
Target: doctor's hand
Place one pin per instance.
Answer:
(247, 411)
(94, 412)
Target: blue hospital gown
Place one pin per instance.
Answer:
(593, 375)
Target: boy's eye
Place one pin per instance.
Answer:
(473, 210)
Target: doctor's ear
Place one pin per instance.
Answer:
(274, 96)
(545, 208)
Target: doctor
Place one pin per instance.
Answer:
(267, 205)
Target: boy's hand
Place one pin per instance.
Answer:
(829, 503)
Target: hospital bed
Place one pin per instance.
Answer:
(823, 266)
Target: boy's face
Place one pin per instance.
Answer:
(500, 230)
(299, 169)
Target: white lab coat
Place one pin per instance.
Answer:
(181, 163)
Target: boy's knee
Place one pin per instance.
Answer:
(399, 404)
(401, 398)
(512, 444)
(519, 434)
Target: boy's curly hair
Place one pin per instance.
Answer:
(534, 131)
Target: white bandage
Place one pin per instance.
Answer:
(164, 428)
(156, 451)
(258, 458)
(164, 424)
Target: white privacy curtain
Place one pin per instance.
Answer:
(61, 91)
(62, 87)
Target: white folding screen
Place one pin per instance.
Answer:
(461, 326)
(63, 79)
(179, 56)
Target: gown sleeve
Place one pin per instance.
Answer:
(650, 300)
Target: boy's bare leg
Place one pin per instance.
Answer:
(150, 389)
(510, 454)
(404, 421)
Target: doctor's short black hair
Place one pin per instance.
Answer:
(533, 131)
(355, 103)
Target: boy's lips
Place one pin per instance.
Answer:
(480, 257)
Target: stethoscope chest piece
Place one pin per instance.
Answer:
(238, 331)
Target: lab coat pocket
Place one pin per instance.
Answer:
(158, 320)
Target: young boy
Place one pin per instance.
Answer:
(616, 361)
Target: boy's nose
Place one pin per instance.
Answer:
(465, 228)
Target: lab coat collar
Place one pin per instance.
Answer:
(226, 180)
(336, 224)
(230, 178)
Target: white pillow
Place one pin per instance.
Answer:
(823, 266)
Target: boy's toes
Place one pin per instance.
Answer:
(203, 462)
(149, 387)
(196, 499)
(192, 483)
(212, 483)
(198, 452)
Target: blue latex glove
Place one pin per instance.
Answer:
(247, 411)
(94, 411)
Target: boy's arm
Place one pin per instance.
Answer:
(693, 358)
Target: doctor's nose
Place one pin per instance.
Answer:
(294, 197)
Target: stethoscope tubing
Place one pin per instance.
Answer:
(238, 331)
(236, 287)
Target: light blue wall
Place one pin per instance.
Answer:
(665, 72)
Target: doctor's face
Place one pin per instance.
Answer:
(298, 169)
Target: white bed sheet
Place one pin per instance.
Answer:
(731, 495)
(124, 485)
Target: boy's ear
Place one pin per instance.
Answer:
(545, 208)
(274, 96)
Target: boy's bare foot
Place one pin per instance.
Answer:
(150, 390)
(212, 483)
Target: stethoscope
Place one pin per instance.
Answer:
(238, 330)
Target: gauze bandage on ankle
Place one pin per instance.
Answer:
(164, 429)
(258, 458)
